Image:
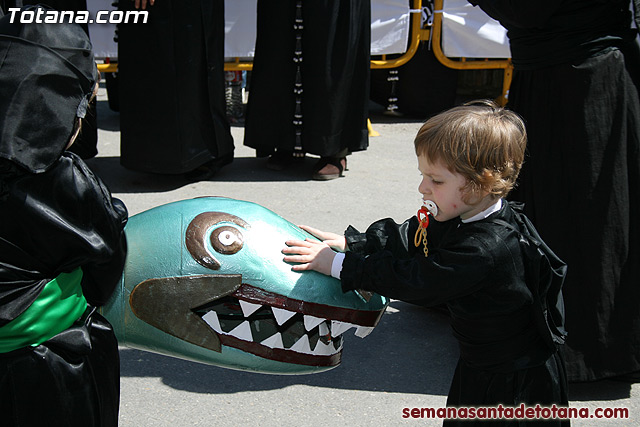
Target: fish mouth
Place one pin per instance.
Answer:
(275, 327)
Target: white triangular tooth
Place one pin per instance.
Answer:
(282, 315)
(323, 349)
(242, 331)
(211, 318)
(311, 322)
(323, 329)
(248, 308)
(338, 328)
(302, 346)
(363, 331)
(274, 341)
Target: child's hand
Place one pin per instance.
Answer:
(309, 255)
(336, 241)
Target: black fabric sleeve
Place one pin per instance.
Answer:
(389, 264)
(55, 222)
(384, 234)
(105, 246)
(70, 220)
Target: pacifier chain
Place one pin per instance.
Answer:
(428, 208)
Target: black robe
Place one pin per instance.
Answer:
(477, 270)
(54, 222)
(575, 62)
(55, 216)
(86, 145)
(171, 85)
(333, 77)
(47, 230)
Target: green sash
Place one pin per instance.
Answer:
(60, 303)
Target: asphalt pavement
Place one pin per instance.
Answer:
(406, 362)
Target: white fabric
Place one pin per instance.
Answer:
(470, 33)
(485, 213)
(466, 30)
(389, 26)
(240, 28)
(336, 265)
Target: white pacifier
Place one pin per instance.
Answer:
(431, 207)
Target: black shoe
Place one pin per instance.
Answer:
(209, 169)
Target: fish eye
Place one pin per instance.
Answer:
(227, 240)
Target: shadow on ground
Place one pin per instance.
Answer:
(411, 351)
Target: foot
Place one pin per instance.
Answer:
(209, 169)
(329, 168)
(280, 160)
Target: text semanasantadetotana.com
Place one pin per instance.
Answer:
(523, 412)
(44, 16)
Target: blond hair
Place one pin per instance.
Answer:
(480, 140)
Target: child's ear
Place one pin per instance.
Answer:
(476, 193)
(487, 175)
(488, 178)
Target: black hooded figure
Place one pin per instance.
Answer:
(62, 243)
(86, 144)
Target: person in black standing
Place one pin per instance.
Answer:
(171, 82)
(309, 88)
(576, 85)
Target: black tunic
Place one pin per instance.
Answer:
(575, 62)
(171, 81)
(334, 76)
(54, 222)
(55, 216)
(477, 270)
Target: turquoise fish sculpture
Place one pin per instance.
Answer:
(205, 281)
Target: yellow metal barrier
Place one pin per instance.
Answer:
(463, 63)
(419, 35)
(108, 68)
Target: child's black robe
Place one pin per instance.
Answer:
(477, 270)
